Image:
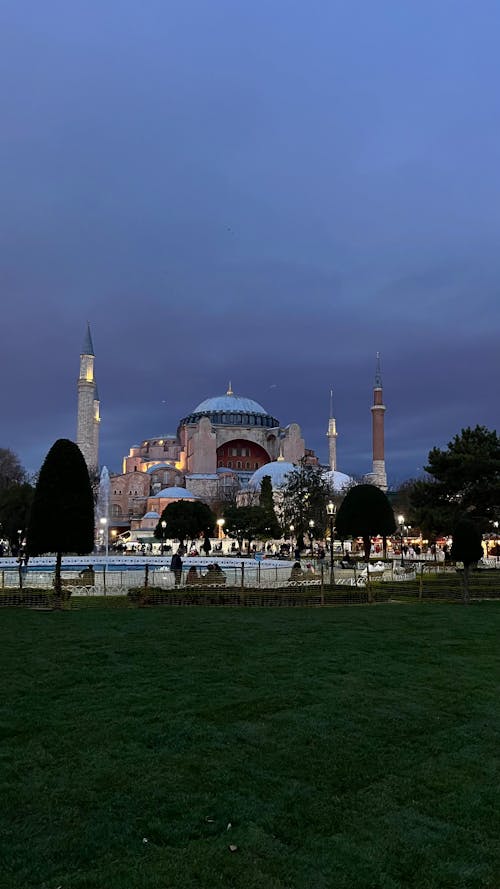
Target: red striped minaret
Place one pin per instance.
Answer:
(379, 475)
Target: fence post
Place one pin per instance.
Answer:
(242, 575)
(258, 574)
(3, 580)
(146, 575)
(104, 578)
(421, 583)
(322, 584)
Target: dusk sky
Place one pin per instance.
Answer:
(261, 191)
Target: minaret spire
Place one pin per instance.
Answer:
(379, 475)
(332, 437)
(229, 389)
(88, 420)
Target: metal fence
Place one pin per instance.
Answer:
(423, 579)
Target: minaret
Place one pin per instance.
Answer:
(87, 436)
(332, 437)
(97, 420)
(379, 475)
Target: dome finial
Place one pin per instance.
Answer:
(229, 389)
(280, 458)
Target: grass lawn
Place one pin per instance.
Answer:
(347, 747)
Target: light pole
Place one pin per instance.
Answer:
(163, 526)
(401, 521)
(292, 529)
(220, 526)
(331, 510)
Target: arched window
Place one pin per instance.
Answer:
(248, 465)
(238, 464)
(116, 510)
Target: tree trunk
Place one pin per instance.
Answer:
(57, 581)
(465, 580)
(367, 543)
(384, 546)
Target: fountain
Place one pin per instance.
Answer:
(102, 509)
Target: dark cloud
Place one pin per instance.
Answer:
(266, 193)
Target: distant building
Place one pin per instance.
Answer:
(221, 448)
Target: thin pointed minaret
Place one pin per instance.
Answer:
(87, 436)
(379, 475)
(332, 437)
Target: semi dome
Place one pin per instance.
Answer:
(175, 493)
(151, 515)
(338, 480)
(277, 471)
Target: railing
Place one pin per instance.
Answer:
(422, 579)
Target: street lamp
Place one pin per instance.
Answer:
(163, 526)
(104, 523)
(292, 529)
(401, 521)
(331, 510)
(220, 525)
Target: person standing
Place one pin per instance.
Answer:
(176, 567)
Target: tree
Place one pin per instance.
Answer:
(271, 525)
(11, 471)
(15, 505)
(365, 512)
(464, 479)
(185, 519)
(246, 523)
(305, 495)
(62, 513)
(466, 548)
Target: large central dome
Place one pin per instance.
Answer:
(231, 410)
(229, 403)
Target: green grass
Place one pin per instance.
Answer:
(347, 747)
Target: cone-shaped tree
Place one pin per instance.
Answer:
(365, 512)
(466, 548)
(62, 513)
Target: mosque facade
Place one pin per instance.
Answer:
(220, 449)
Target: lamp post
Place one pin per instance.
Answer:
(401, 521)
(292, 529)
(220, 526)
(163, 526)
(331, 510)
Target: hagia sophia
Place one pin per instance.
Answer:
(221, 451)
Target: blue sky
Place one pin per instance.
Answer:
(267, 192)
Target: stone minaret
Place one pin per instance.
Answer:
(332, 437)
(379, 476)
(87, 436)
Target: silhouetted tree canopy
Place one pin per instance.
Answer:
(11, 471)
(185, 519)
(62, 513)
(465, 479)
(365, 512)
